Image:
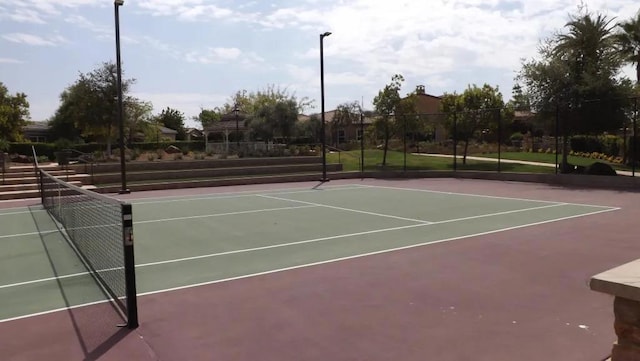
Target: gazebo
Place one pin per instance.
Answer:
(231, 123)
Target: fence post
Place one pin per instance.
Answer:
(2, 164)
(557, 132)
(499, 139)
(455, 141)
(361, 144)
(635, 140)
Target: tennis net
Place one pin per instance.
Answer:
(99, 228)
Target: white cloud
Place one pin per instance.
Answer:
(188, 10)
(36, 11)
(9, 61)
(35, 40)
(223, 55)
(26, 16)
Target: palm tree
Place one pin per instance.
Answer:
(628, 41)
(588, 45)
(588, 49)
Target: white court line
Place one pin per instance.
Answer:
(21, 212)
(371, 253)
(223, 214)
(71, 275)
(19, 200)
(284, 269)
(246, 194)
(163, 220)
(346, 209)
(62, 309)
(486, 196)
(28, 234)
(246, 250)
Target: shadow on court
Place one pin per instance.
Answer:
(96, 326)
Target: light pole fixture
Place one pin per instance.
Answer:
(322, 131)
(235, 113)
(123, 171)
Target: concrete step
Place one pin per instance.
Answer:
(31, 191)
(22, 194)
(85, 178)
(28, 186)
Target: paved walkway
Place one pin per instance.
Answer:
(540, 164)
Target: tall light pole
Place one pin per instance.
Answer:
(123, 171)
(322, 131)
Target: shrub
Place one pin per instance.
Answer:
(599, 168)
(607, 144)
(151, 157)
(517, 136)
(63, 143)
(177, 156)
(4, 145)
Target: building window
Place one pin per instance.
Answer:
(341, 136)
(37, 139)
(358, 134)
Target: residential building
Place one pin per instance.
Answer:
(429, 110)
(36, 132)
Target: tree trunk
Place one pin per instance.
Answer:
(464, 155)
(386, 145)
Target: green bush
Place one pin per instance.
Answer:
(4, 145)
(599, 168)
(606, 144)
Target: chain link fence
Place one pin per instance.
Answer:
(598, 137)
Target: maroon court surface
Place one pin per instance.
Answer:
(514, 295)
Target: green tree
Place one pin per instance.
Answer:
(577, 78)
(629, 43)
(345, 115)
(14, 114)
(519, 99)
(386, 104)
(173, 119)
(472, 111)
(138, 118)
(309, 130)
(271, 112)
(208, 117)
(88, 108)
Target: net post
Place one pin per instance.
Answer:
(41, 186)
(129, 266)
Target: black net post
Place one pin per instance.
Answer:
(635, 137)
(41, 185)
(404, 143)
(129, 266)
(499, 138)
(361, 143)
(557, 133)
(455, 141)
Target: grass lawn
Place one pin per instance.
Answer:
(395, 161)
(550, 158)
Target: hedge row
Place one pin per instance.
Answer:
(605, 144)
(49, 149)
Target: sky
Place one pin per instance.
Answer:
(194, 54)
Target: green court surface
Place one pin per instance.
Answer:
(186, 241)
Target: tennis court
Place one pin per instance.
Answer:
(343, 270)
